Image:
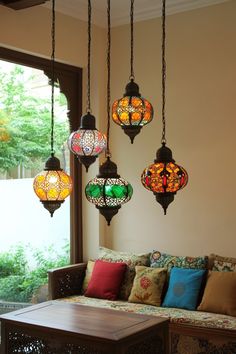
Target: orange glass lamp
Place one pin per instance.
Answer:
(164, 178)
(132, 111)
(52, 185)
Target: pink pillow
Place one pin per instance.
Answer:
(106, 280)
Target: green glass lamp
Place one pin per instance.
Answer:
(108, 191)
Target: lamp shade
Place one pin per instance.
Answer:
(108, 191)
(52, 185)
(164, 177)
(132, 111)
(87, 142)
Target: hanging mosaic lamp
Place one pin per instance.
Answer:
(52, 185)
(132, 111)
(164, 178)
(87, 142)
(108, 191)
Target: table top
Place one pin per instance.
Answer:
(84, 320)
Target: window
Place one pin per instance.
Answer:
(70, 82)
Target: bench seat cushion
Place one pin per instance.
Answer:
(194, 318)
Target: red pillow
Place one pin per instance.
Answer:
(106, 280)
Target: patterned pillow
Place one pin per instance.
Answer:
(131, 260)
(148, 285)
(88, 274)
(164, 260)
(221, 266)
(215, 257)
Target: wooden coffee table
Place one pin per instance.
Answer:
(57, 327)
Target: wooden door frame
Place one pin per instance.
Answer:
(70, 81)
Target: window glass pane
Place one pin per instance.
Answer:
(31, 241)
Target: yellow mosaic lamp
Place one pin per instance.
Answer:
(52, 185)
(132, 111)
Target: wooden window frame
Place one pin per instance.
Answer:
(70, 81)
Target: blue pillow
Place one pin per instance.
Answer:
(184, 287)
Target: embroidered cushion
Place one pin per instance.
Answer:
(220, 293)
(148, 285)
(164, 260)
(184, 288)
(217, 262)
(106, 280)
(128, 258)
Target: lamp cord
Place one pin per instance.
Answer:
(89, 56)
(131, 40)
(163, 139)
(108, 154)
(53, 76)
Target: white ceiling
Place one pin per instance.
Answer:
(143, 9)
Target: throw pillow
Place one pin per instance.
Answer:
(106, 280)
(88, 274)
(164, 260)
(131, 259)
(215, 257)
(184, 287)
(220, 293)
(148, 285)
(223, 264)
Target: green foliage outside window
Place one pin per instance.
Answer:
(18, 282)
(25, 122)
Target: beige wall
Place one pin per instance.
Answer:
(201, 122)
(29, 31)
(201, 125)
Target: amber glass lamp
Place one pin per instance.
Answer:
(108, 191)
(87, 142)
(132, 111)
(52, 185)
(164, 177)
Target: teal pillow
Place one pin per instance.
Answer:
(184, 287)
